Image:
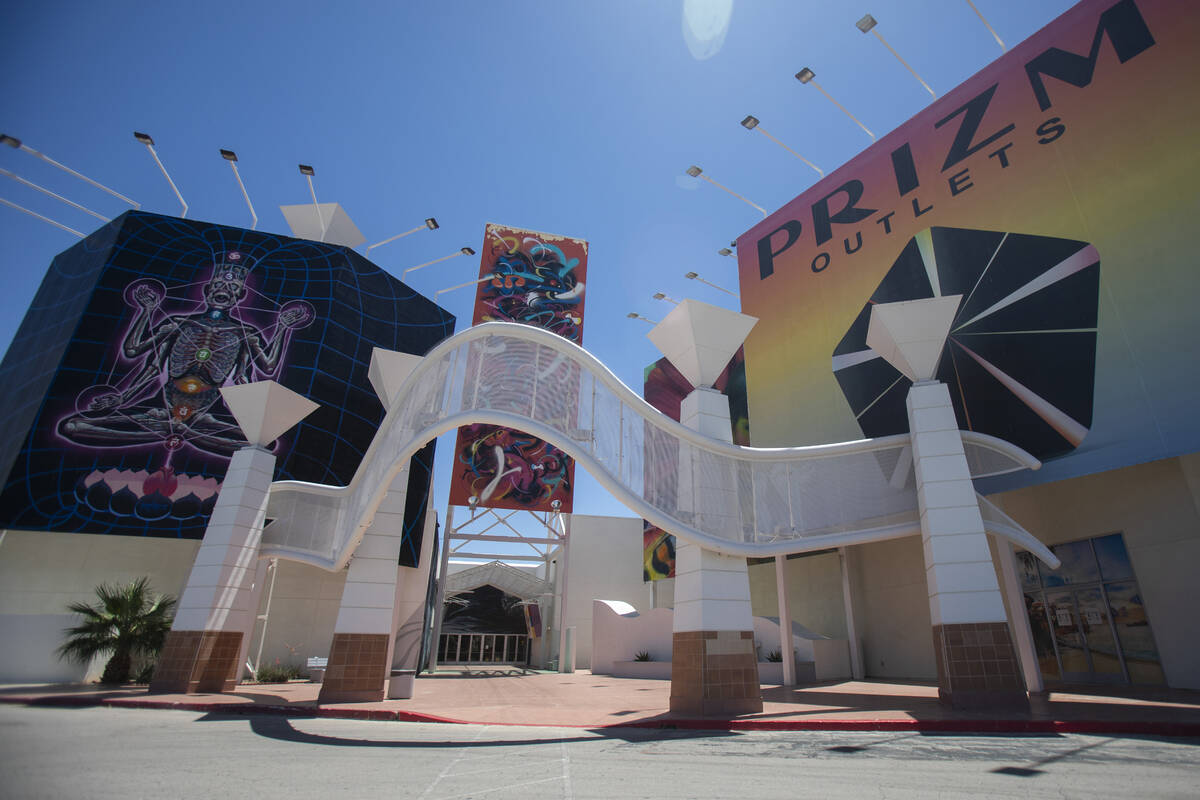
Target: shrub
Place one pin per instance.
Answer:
(277, 673)
(775, 656)
(128, 622)
(643, 656)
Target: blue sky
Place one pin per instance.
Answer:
(571, 117)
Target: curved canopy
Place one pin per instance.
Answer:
(735, 500)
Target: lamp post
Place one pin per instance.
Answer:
(145, 139)
(463, 251)
(232, 158)
(48, 193)
(17, 144)
(39, 216)
(724, 251)
(751, 123)
(696, 172)
(308, 172)
(867, 24)
(666, 297)
(635, 315)
(692, 276)
(806, 75)
(461, 285)
(429, 224)
(988, 25)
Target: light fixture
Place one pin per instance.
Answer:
(724, 251)
(487, 277)
(39, 216)
(465, 251)
(696, 277)
(49, 193)
(17, 144)
(751, 123)
(429, 224)
(662, 296)
(988, 25)
(232, 158)
(696, 172)
(868, 23)
(806, 75)
(145, 139)
(635, 315)
(308, 172)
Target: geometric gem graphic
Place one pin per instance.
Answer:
(1020, 359)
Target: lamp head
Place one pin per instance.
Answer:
(691, 275)
(805, 75)
(11, 141)
(725, 251)
(228, 155)
(694, 171)
(750, 122)
(659, 296)
(432, 224)
(144, 138)
(305, 169)
(866, 23)
(466, 251)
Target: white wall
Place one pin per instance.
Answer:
(604, 563)
(814, 587)
(42, 571)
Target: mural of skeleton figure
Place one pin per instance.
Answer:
(181, 362)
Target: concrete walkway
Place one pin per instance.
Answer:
(508, 697)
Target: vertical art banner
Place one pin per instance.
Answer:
(534, 279)
(664, 388)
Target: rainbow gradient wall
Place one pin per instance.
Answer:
(1083, 136)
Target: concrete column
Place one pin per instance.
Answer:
(856, 664)
(362, 635)
(786, 650)
(1019, 617)
(976, 660)
(714, 669)
(215, 613)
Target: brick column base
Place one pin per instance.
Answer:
(198, 661)
(977, 667)
(356, 670)
(714, 672)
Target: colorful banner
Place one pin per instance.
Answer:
(535, 279)
(119, 425)
(1054, 191)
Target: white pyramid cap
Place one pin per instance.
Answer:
(388, 370)
(339, 228)
(910, 334)
(699, 339)
(264, 410)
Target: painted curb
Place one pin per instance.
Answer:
(965, 726)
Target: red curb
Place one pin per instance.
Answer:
(964, 726)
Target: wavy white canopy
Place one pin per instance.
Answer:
(776, 500)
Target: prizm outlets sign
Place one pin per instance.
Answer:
(975, 133)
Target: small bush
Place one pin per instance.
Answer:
(775, 656)
(145, 673)
(643, 656)
(277, 673)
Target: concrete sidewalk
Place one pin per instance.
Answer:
(507, 697)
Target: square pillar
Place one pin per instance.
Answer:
(216, 612)
(360, 655)
(976, 661)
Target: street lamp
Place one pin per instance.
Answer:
(724, 251)
(696, 172)
(39, 216)
(17, 144)
(465, 251)
(429, 224)
(308, 172)
(232, 158)
(487, 277)
(661, 296)
(49, 193)
(987, 25)
(868, 23)
(806, 75)
(696, 277)
(145, 139)
(751, 123)
(635, 315)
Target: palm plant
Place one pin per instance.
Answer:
(128, 622)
